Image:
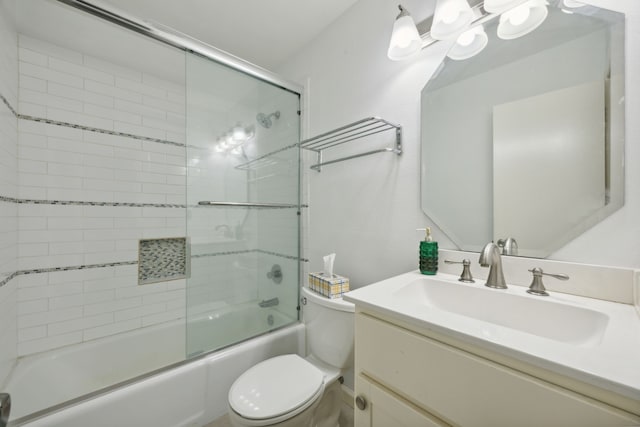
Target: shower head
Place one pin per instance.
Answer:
(265, 121)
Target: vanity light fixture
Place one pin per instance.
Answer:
(499, 6)
(572, 4)
(451, 18)
(463, 21)
(405, 39)
(522, 19)
(469, 43)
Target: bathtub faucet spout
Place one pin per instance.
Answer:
(269, 302)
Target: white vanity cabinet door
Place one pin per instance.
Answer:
(384, 409)
(468, 390)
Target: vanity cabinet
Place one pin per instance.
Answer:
(405, 377)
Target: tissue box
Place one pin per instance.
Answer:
(331, 287)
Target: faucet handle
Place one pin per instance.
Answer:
(537, 287)
(466, 272)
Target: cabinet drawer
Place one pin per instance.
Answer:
(467, 390)
(383, 409)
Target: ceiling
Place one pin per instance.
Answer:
(263, 32)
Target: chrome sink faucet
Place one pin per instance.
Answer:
(490, 257)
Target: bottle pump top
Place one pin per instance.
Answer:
(427, 236)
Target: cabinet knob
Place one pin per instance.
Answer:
(361, 403)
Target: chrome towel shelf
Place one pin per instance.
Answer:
(351, 132)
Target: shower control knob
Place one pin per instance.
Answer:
(361, 403)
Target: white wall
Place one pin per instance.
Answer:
(366, 210)
(8, 187)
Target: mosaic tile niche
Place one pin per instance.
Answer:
(160, 260)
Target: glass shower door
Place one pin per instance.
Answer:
(243, 205)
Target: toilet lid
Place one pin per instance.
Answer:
(277, 386)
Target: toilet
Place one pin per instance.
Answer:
(291, 391)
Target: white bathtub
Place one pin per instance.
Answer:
(190, 394)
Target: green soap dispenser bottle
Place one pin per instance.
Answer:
(428, 253)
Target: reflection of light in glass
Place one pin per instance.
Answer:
(238, 133)
(233, 140)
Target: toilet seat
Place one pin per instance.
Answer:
(276, 389)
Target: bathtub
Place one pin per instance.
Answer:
(177, 393)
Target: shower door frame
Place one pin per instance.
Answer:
(184, 42)
(189, 45)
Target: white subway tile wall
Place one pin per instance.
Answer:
(8, 55)
(60, 163)
(8, 189)
(136, 157)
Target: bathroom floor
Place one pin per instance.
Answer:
(346, 418)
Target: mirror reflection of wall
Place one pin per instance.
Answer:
(548, 166)
(572, 61)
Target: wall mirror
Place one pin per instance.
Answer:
(525, 140)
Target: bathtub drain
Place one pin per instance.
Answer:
(270, 319)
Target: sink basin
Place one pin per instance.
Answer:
(540, 316)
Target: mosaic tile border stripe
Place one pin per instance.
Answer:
(87, 128)
(84, 203)
(99, 130)
(248, 251)
(244, 166)
(282, 255)
(123, 204)
(74, 267)
(123, 263)
(9, 278)
(67, 268)
(9, 106)
(245, 251)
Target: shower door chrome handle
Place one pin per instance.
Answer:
(5, 409)
(246, 204)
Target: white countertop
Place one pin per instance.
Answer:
(612, 362)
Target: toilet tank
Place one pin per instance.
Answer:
(329, 328)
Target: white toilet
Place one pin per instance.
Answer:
(291, 391)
